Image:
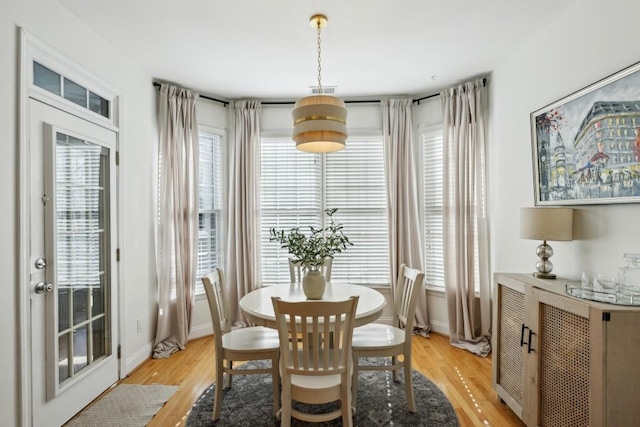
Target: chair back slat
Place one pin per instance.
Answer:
(214, 288)
(325, 329)
(408, 286)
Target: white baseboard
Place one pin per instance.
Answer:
(200, 331)
(440, 327)
(139, 357)
(385, 320)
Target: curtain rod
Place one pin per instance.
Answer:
(356, 101)
(484, 83)
(225, 103)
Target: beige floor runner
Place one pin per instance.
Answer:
(127, 405)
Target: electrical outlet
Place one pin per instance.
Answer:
(140, 325)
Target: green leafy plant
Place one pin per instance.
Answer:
(312, 250)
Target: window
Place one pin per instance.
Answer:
(296, 187)
(433, 146)
(432, 141)
(210, 207)
(82, 224)
(59, 85)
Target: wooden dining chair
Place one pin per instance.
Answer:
(296, 270)
(253, 343)
(379, 340)
(315, 370)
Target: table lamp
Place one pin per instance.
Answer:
(555, 224)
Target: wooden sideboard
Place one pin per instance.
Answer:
(564, 361)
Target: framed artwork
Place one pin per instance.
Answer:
(586, 146)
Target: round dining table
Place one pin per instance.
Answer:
(258, 307)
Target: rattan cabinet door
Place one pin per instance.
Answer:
(509, 356)
(558, 365)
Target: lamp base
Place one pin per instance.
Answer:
(544, 266)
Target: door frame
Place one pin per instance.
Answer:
(33, 48)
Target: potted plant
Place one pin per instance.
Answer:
(312, 250)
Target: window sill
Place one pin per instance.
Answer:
(368, 285)
(439, 291)
(435, 290)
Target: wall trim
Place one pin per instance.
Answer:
(139, 357)
(200, 331)
(439, 327)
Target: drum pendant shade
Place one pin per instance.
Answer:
(320, 124)
(319, 121)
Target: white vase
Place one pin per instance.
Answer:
(313, 284)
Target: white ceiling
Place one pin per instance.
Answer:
(266, 49)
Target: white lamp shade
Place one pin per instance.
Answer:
(554, 224)
(320, 124)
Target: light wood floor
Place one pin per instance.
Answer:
(464, 378)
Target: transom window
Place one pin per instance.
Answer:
(297, 187)
(60, 85)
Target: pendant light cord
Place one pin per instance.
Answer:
(319, 65)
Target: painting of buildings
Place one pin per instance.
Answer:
(587, 146)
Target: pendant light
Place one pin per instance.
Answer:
(319, 121)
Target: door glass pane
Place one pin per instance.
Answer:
(46, 79)
(82, 257)
(99, 339)
(75, 93)
(97, 298)
(64, 302)
(80, 342)
(63, 357)
(80, 306)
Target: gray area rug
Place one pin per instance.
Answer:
(381, 402)
(127, 405)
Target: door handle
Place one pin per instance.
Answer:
(529, 349)
(40, 263)
(522, 335)
(42, 287)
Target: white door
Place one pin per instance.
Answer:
(73, 313)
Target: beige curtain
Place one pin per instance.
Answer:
(466, 246)
(243, 233)
(402, 197)
(177, 243)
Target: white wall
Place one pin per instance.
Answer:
(51, 22)
(586, 42)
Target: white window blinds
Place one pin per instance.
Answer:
(210, 207)
(433, 207)
(81, 168)
(290, 196)
(296, 187)
(355, 185)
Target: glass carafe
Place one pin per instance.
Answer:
(629, 277)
